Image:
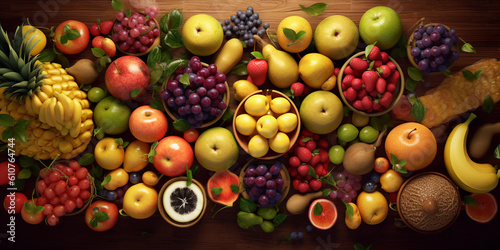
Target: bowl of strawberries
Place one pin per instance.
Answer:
(371, 82)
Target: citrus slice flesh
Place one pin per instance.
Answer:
(328, 216)
(485, 210)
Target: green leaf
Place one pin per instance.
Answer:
(418, 110)
(25, 161)
(279, 219)
(20, 131)
(156, 72)
(290, 34)
(35, 169)
(8, 133)
(181, 125)
(300, 34)
(176, 19)
(311, 172)
(156, 105)
(86, 159)
(98, 52)
(152, 151)
(38, 209)
(227, 116)
(247, 205)
(488, 104)
(96, 171)
(394, 159)
(315, 9)
(135, 92)
(496, 153)
(359, 246)
(447, 72)
(106, 180)
(117, 5)
(173, 64)
(47, 55)
(154, 57)
(128, 13)
(467, 47)
(6, 120)
(184, 80)
(173, 39)
(469, 200)
(93, 222)
(72, 34)
(349, 209)
(146, 234)
(326, 192)
(410, 84)
(369, 48)
(415, 74)
(19, 184)
(240, 69)
(318, 209)
(189, 175)
(195, 169)
(164, 23)
(24, 174)
(216, 190)
(257, 55)
(235, 188)
(478, 73)
(469, 76)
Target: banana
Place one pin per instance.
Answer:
(36, 104)
(50, 116)
(47, 89)
(77, 114)
(59, 112)
(64, 131)
(43, 97)
(43, 113)
(75, 130)
(57, 87)
(29, 106)
(68, 106)
(467, 174)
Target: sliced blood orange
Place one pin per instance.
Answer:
(485, 210)
(328, 216)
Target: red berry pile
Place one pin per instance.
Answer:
(369, 82)
(310, 154)
(63, 189)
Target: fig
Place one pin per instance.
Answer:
(221, 189)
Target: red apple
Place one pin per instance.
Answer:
(125, 74)
(173, 154)
(148, 124)
(13, 202)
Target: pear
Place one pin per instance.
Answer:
(84, 71)
(283, 70)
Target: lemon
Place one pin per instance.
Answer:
(245, 124)
(279, 143)
(298, 25)
(258, 146)
(280, 105)
(287, 122)
(39, 39)
(243, 88)
(257, 105)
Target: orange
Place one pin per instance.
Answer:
(485, 210)
(412, 142)
(297, 24)
(328, 216)
(150, 178)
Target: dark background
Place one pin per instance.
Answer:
(477, 22)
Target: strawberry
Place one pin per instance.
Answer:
(106, 27)
(298, 88)
(347, 80)
(304, 154)
(377, 64)
(357, 105)
(373, 93)
(392, 66)
(307, 133)
(393, 78)
(315, 160)
(323, 154)
(376, 105)
(357, 83)
(295, 184)
(292, 171)
(362, 93)
(294, 161)
(336, 71)
(303, 169)
(257, 70)
(380, 85)
(348, 70)
(323, 144)
(384, 57)
(370, 79)
(249, 79)
(307, 90)
(391, 87)
(386, 99)
(384, 71)
(350, 94)
(315, 184)
(366, 102)
(311, 145)
(358, 64)
(374, 54)
(94, 30)
(319, 169)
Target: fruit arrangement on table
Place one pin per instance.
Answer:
(295, 131)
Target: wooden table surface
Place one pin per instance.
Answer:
(477, 22)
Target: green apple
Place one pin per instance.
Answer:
(336, 154)
(336, 37)
(315, 69)
(202, 35)
(380, 24)
(216, 149)
(267, 126)
(372, 207)
(321, 112)
(111, 117)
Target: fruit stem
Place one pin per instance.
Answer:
(148, 30)
(259, 40)
(379, 138)
(116, 66)
(409, 133)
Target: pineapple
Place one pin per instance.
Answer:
(44, 93)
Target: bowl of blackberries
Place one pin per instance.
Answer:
(266, 182)
(197, 93)
(433, 48)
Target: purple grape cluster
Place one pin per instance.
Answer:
(201, 100)
(433, 48)
(348, 186)
(264, 183)
(244, 24)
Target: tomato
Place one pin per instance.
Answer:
(7, 168)
(13, 202)
(96, 213)
(191, 135)
(31, 213)
(381, 165)
(70, 29)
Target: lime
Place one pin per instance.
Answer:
(96, 94)
(368, 134)
(336, 154)
(347, 132)
(360, 120)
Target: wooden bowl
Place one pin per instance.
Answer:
(243, 139)
(155, 43)
(400, 87)
(174, 116)
(284, 175)
(164, 214)
(411, 44)
(429, 202)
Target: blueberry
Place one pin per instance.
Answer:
(369, 186)
(135, 178)
(309, 228)
(293, 235)
(300, 235)
(375, 177)
(112, 195)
